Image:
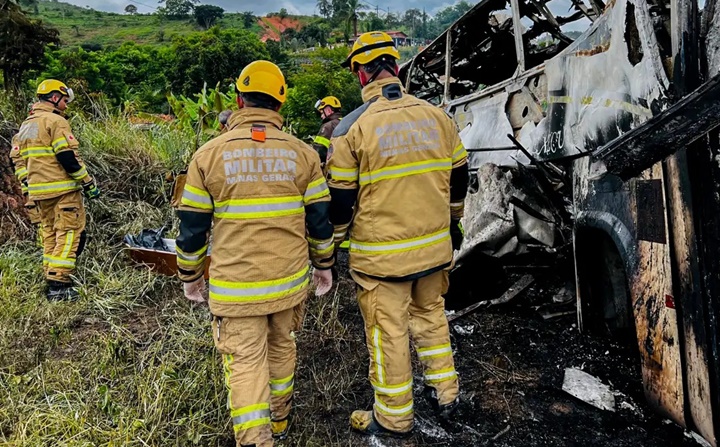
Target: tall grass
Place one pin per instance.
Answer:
(132, 363)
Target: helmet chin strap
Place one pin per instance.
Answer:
(385, 66)
(55, 103)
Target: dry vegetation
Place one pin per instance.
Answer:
(132, 363)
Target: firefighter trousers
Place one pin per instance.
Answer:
(63, 234)
(259, 364)
(390, 310)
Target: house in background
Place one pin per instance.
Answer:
(401, 39)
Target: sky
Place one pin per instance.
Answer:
(303, 7)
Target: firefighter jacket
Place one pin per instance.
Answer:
(264, 195)
(19, 164)
(49, 150)
(21, 173)
(321, 143)
(398, 173)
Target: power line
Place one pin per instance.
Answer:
(143, 4)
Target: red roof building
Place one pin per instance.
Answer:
(400, 38)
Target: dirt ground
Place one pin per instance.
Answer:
(511, 363)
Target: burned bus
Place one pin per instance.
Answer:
(616, 104)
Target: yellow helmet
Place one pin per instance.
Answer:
(370, 46)
(328, 101)
(49, 86)
(263, 77)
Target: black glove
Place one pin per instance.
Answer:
(456, 234)
(91, 190)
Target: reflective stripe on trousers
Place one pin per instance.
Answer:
(281, 387)
(378, 354)
(393, 390)
(56, 261)
(399, 410)
(432, 352)
(440, 375)
(250, 416)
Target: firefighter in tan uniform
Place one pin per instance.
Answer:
(56, 177)
(398, 180)
(21, 173)
(264, 195)
(329, 109)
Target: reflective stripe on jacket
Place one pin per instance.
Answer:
(321, 143)
(269, 204)
(397, 152)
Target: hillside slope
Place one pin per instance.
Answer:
(85, 26)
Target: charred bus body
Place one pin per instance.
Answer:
(613, 114)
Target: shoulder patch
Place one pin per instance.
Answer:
(346, 123)
(28, 130)
(392, 92)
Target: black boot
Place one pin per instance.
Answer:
(364, 422)
(61, 291)
(444, 412)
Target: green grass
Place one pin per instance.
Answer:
(132, 363)
(80, 26)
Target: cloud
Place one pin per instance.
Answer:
(304, 7)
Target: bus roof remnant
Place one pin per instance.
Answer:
(483, 45)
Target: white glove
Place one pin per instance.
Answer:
(323, 281)
(195, 291)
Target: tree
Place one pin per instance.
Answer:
(446, 17)
(325, 8)
(217, 55)
(22, 44)
(392, 20)
(339, 7)
(374, 23)
(424, 25)
(177, 9)
(321, 77)
(283, 13)
(207, 15)
(317, 31)
(412, 19)
(248, 19)
(353, 11)
(76, 29)
(131, 9)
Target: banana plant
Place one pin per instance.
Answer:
(200, 115)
